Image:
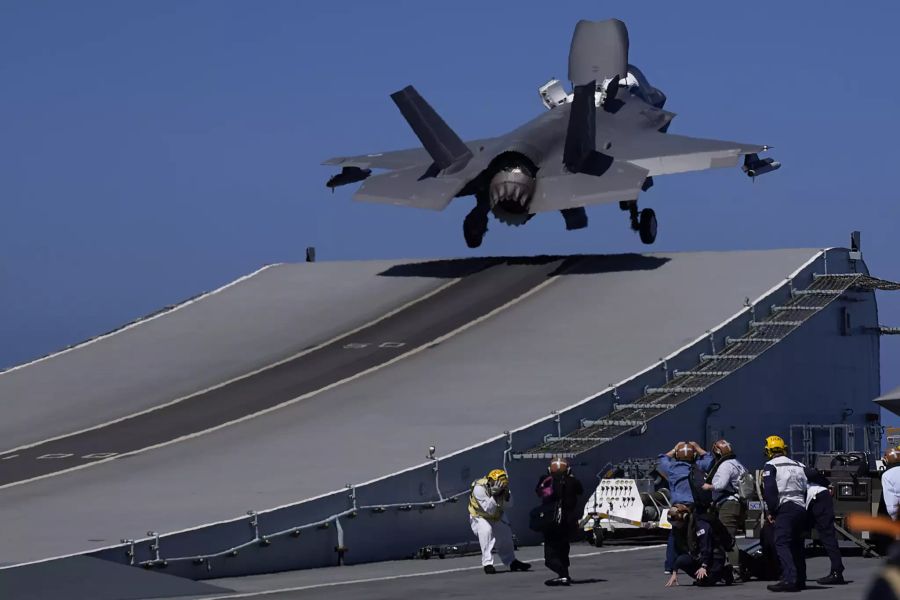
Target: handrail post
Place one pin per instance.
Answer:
(130, 552)
(437, 479)
(154, 545)
(352, 497)
(341, 549)
(254, 524)
(507, 454)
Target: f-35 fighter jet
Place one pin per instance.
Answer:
(602, 143)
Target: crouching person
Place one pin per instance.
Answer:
(700, 546)
(487, 501)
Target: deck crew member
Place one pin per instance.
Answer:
(701, 543)
(487, 500)
(675, 465)
(784, 492)
(820, 506)
(724, 479)
(890, 481)
(559, 490)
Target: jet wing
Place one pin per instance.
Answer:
(412, 186)
(666, 153)
(396, 159)
(561, 190)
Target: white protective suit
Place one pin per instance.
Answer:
(493, 531)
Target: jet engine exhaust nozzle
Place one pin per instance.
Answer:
(510, 193)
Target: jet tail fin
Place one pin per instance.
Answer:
(441, 142)
(581, 133)
(579, 155)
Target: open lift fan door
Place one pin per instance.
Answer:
(599, 51)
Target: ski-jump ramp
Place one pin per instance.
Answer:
(309, 395)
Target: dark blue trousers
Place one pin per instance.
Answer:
(821, 510)
(689, 564)
(790, 522)
(670, 552)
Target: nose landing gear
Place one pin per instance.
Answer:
(644, 221)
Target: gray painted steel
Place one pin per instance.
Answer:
(814, 368)
(86, 578)
(275, 313)
(615, 571)
(416, 325)
(604, 321)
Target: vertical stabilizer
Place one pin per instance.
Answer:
(441, 142)
(582, 130)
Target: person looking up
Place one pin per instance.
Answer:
(675, 465)
(724, 480)
(559, 490)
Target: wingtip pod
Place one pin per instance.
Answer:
(346, 176)
(754, 166)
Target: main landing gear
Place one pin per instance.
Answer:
(644, 222)
(475, 225)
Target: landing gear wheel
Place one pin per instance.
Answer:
(597, 537)
(647, 226)
(474, 228)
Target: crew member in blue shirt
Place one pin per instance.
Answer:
(675, 465)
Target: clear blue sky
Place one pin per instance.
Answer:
(153, 150)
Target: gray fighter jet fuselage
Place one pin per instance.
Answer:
(602, 143)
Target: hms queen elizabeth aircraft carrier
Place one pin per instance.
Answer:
(285, 421)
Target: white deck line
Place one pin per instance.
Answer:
(140, 320)
(334, 339)
(315, 586)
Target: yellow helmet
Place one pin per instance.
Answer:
(498, 476)
(775, 445)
